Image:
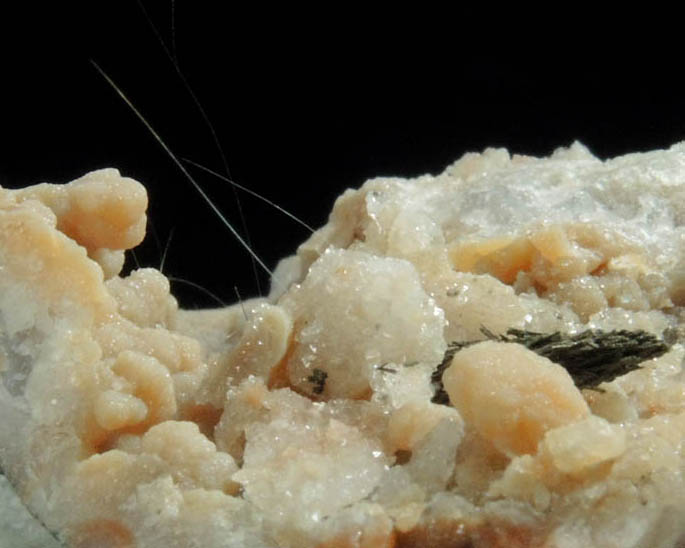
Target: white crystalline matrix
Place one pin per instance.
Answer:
(360, 404)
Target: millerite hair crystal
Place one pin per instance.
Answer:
(591, 357)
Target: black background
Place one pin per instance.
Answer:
(303, 106)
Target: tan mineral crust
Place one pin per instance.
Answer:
(305, 419)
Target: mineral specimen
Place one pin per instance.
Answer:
(487, 357)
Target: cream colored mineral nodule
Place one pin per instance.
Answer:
(512, 396)
(305, 419)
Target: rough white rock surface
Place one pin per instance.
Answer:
(306, 419)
